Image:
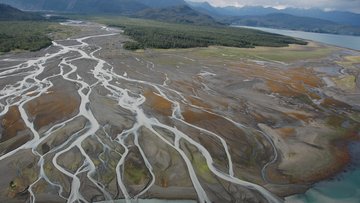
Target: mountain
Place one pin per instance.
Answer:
(101, 6)
(163, 10)
(177, 14)
(84, 6)
(204, 7)
(231, 10)
(286, 21)
(10, 13)
(92, 6)
(340, 17)
(162, 3)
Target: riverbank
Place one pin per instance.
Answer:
(345, 41)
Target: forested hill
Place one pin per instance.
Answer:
(161, 3)
(177, 14)
(164, 10)
(155, 34)
(93, 6)
(340, 17)
(286, 21)
(9, 13)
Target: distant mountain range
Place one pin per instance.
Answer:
(310, 20)
(286, 21)
(162, 3)
(340, 17)
(79, 6)
(177, 14)
(164, 10)
(92, 6)
(9, 13)
(179, 11)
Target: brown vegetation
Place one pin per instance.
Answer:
(198, 102)
(11, 124)
(157, 103)
(51, 108)
(294, 82)
(331, 102)
(197, 116)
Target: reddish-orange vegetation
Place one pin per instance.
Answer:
(240, 145)
(277, 176)
(331, 102)
(341, 160)
(293, 82)
(196, 116)
(260, 118)
(287, 82)
(199, 103)
(282, 89)
(313, 95)
(157, 103)
(342, 157)
(11, 124)
(164, 182)
(300, 116)
(218, 101)
(303, 75)
(52, 107)
(286, 132)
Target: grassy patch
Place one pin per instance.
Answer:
(58, 32)
(283, 54)
(202, 168)
(349, 61)
(347, 82)
(135, 174)
(354, 59)
(153, 34)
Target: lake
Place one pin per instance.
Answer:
(351, 42)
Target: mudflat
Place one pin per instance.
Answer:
(85, 120)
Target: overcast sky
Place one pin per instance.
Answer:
(350, 5)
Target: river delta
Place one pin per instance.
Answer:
(86, 121)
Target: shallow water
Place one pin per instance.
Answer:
(331, 71)
(351, 42)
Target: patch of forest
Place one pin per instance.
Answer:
(154, 34)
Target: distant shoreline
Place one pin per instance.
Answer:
(300, 30)
(344, 41)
